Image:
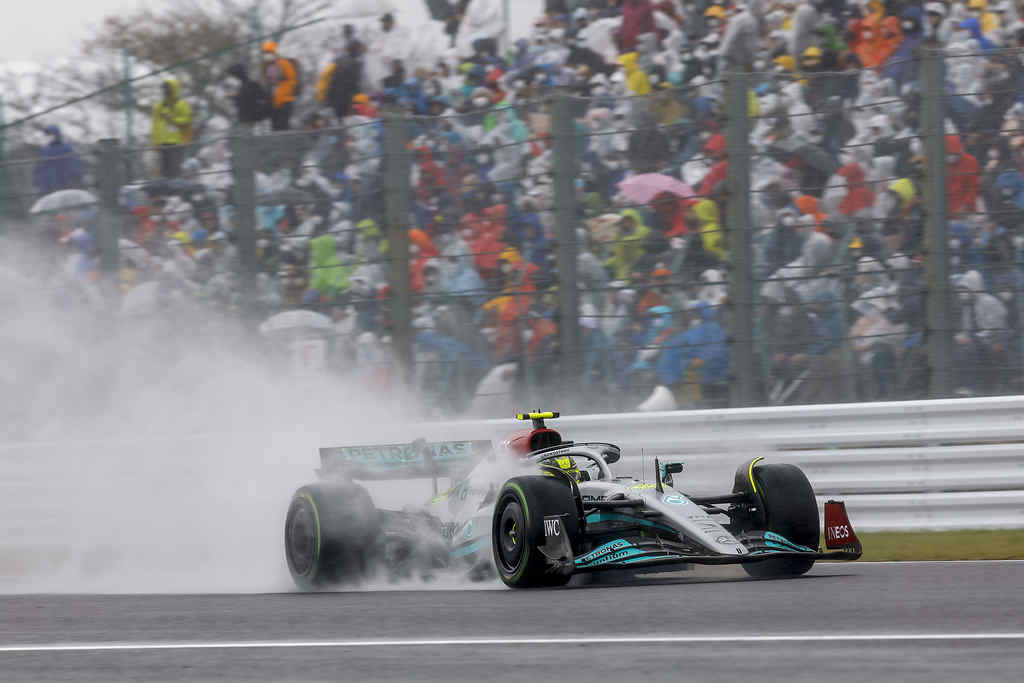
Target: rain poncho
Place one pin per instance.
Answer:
(710, 231)
(963, 176)
(172, 120)
(706, 342)
(636, 79)
(858, 196)
(327, 275)
(59, 167)
(629, 247)
(1013, 183)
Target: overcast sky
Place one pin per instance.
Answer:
(50, 29)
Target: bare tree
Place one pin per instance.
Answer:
(174, 37)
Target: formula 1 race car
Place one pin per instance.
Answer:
(537, 510)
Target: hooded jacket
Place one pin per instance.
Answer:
(904, 188)
(716, 175)
(1013, 182)
(373, 238)
(328, 275)
(282, 78)
(629, 247)
(891, 38)
(252, 102)
(809, 206)
(636, 79)
(963, 177)
(706, 341)
(710, 231)
(858, 196)
(637, 18)
(171, 120)
(59, 167)
(900, 66)
(973, 26)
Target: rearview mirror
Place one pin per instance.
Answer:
(668, 470)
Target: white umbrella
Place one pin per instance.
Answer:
(64, 200)
(298, 319)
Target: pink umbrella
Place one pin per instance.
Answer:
(646, 186)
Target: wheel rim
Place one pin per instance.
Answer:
(511, 536)
(301, 540)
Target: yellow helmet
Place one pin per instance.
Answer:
(567, 464)
(811, 55)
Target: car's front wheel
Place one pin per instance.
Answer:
(518, 530)
(790, 510)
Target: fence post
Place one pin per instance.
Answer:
(243, 173)
(566, 168)
(108, 226)
(129, 110)
(938, 318)
(398, 185)
(738, 223)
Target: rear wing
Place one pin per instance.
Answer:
(402, 461)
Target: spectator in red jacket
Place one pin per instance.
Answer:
(637, 18)
(963, 177)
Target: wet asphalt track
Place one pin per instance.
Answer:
(970, 614)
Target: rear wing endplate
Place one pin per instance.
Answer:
(402, 461)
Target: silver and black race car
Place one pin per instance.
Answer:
(537, 509)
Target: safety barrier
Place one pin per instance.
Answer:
(942, 464)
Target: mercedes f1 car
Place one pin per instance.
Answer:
(537, 510)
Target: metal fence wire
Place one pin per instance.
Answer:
(793, 236)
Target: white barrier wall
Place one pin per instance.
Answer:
(950, 464)
(946, 464)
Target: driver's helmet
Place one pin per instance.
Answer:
(567, 464)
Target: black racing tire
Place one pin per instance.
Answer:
(791, 510)
(329, 533)
(517, 529)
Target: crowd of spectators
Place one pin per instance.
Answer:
(836, 199)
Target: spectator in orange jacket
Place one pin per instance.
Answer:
(282, 79)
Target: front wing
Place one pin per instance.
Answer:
(622, 553)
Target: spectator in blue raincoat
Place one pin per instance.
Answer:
(1010, 185)
(901, 66)
(59, 167)
(705, 342)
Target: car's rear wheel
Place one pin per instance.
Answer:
(329, 530)
(790, 510)
(517, 533)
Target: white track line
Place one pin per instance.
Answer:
(462, 642)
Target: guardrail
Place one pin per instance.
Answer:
(944, 464)
(940, 464)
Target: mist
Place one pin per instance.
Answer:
(155, 453)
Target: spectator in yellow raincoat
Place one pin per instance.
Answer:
(636, 79)
(172, 128)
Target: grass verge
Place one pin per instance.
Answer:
(979, 544)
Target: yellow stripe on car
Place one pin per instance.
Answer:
(750, 472)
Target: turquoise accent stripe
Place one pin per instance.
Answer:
(614, 557)
(595, 517)
(611, 546)
(788, 548)
(634, 560)
(468, 549)
(779, 541)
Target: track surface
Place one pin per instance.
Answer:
(874, 612)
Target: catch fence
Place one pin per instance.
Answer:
(796, 236)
